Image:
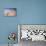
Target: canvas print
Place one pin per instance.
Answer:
(10, 12)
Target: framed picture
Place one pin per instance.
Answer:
(10, 12)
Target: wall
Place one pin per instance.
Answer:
(28, 12)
